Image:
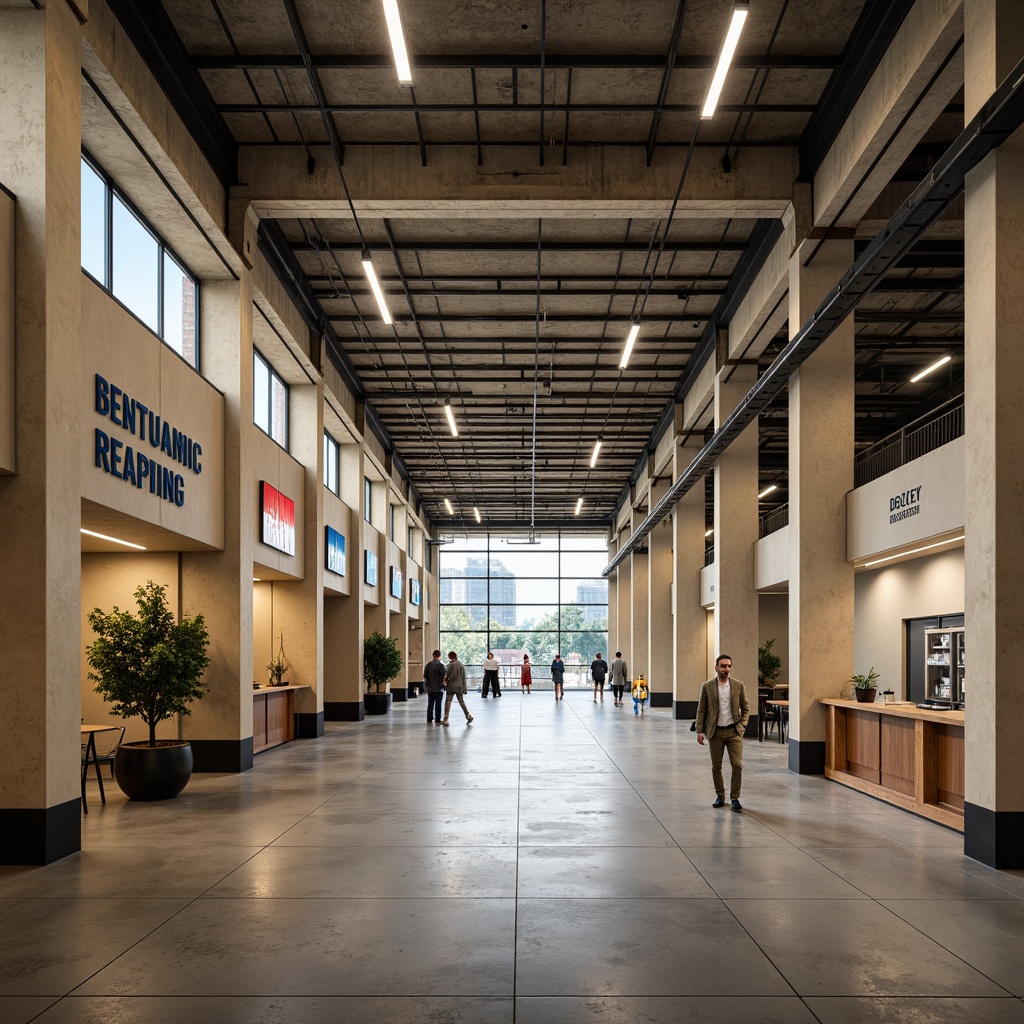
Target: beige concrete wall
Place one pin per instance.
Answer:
(109, 580)
(886, 597)
(273, 464)
(934, 485)
(771, 560)
(7, 437)
(118, 348)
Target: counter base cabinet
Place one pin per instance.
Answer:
(273, 718)
(910, 758)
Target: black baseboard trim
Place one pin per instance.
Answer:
(399, 695)
(685, 709)
(343, 711)
(413, 688)
(995, 838)
(807, 758)
(309, 725)
(40, 835)
(751, 730)
(661, 698)
(222, 756)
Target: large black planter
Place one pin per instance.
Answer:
(377, 703)
(153, 773)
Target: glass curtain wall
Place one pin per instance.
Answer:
(499, 594)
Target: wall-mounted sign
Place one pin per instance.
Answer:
(397, 582)
(904, 505)
(371, 569)
(335, 551)
(414, 591)
(133, 464)
(277, 518)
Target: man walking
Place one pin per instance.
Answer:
(722, 714)
(598, 672)
(433, 683)
(619, 676)
(455, 684)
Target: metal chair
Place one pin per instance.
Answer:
(105, 753)
(769, 717)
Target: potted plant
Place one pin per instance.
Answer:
(864, 686)
(148, 666)
(276, 666)
(382, 661)
(769, 666)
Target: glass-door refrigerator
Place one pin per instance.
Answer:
(944, 666)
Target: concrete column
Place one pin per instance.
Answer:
(622, 638)
(735, 535)
(40, 551)
(994, 401)
(299, 604)
(821, 398)
(660, 648)
(689, 619)
(613, 593)
(219, 584)
(344, 618)
(636, 650)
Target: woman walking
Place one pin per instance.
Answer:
(525, 676)
(558, 676)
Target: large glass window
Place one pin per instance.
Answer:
(269, 401)
(514, 599)
(331, 464)
(131, 261)
(367, 500)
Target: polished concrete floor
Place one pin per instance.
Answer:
(548, 863)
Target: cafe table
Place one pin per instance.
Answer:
(91, 758)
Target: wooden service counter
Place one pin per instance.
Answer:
(899, 753)
(273, 716)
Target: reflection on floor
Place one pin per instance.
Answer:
(548, 863)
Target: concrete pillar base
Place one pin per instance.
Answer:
(344, 711)
(807, 757)
(309, 726)
(995, 838)
(40, 835)
(229, 756)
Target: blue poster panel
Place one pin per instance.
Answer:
(397, 581)
(414, 591)
(371, 568)
(335, 551)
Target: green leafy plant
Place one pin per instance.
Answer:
(769, 666)
(382, 660)
(861, 682)
(277, 666)
(147, 665)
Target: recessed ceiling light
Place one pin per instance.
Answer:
(928, 369)
(915, 551)
(451, 418)
(768, 490)
(378, 292)
(593, 458)
(579, 505)
(398, 50)
(448, 505)
(113, 540)
(732, 38)
(627, 351)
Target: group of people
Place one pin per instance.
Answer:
(722, 711)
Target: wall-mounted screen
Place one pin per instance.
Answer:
(277, 515)
(371, 569)
(414, 591)
(335, 551)
(397, 581)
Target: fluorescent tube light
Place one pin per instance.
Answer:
(451, 418)
(593, 458)
(916, 551)
(707, 533)
(928, 369)
(476, 514)
(628, 349)
(732, 38)
(768, 490)
(113, 540)
(579, 505)
(398, 50)
(448, 505)
(378, 292)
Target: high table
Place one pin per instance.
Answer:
(91, 759)
(783, 706)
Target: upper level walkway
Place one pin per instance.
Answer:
(548, 863)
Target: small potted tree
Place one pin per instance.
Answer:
(148, 666)
(864, 686)
(382, 661)
(769, 665)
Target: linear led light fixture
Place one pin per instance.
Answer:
(627, 350)
(113, 540)
(916, 551)
(579, 505)
(707, 533)
(593, 458)
(928, 369)
(768, 490)
(476, 514)
(398, 50)
(451, 418)
(448, 505)
(378, 292)
(732, 38)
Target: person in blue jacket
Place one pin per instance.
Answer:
(558, 676)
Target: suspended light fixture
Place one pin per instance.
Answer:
(476, 514)
(593, 458)
(579, 505)
(928, 369)
(378, 292)
(627, 350)
(732, 38)
(448, 505)
(768, 490)
(113, 540)
(398, 50)
(707, 533)
(451, 417)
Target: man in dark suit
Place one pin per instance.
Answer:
(722, 714)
